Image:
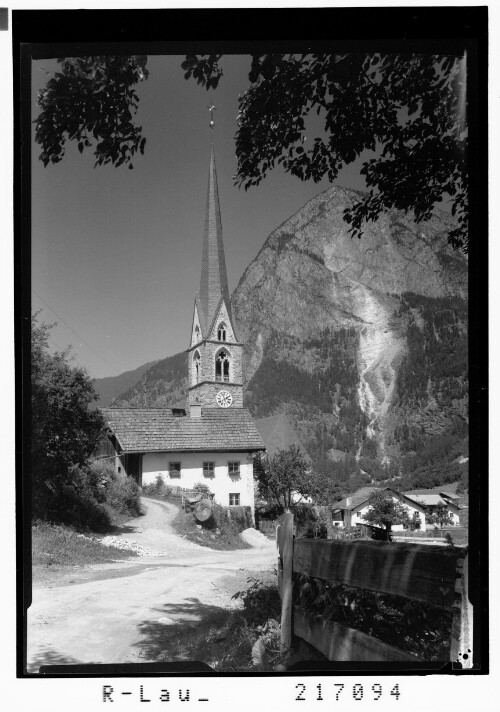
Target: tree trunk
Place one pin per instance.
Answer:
(203, 511)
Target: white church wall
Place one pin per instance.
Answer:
(221, 484)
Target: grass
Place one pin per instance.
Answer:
(224, 539)
(56, 545)
(247, 639)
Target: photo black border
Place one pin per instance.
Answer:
(38, 33)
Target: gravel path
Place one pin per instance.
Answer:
(130, 610)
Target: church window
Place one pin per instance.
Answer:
(222, 367)
(197, 332)
(221, 332)
(234, 499)
(196, 366)
(233, 468)
(174, 470)
(208, 469)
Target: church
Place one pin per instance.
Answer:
(213, 439)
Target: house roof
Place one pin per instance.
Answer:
(357, 498)
(279, 434)
(449, 495)
(365, 493)
(430, 499)
(159, 430)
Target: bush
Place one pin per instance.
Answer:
(123, 494)
(158, 488)
(78, 508)
(231, 520)
(203, 489)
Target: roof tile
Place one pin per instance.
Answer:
(158, 430)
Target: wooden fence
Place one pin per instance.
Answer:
(434, 575)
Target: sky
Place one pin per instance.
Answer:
(116, 253)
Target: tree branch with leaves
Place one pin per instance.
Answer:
(409, 109)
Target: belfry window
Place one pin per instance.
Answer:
(221, 332)
(222, 367)
(197, 333)
(196, 366)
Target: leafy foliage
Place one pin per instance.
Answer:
(405, 107)
(412, 626)
(92, 101)
(282, 475)
(65, 427)
(202, 488)
(439, 515)
(158, 488)
(385, 511)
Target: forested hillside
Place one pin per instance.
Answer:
(164, 384)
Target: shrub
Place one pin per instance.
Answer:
(231, 520)
(261, 600)
(202, 488)
(449, 539)
(123, 494)
(158, 488)
(77, 507)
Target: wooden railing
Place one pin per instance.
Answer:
(434, 575)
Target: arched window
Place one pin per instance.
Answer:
(197, 332)
(222, 367)
(221, 332)
(196, 366)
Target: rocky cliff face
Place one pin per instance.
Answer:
(350, 336)
(311, 276)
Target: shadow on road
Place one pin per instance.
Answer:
(48, 656)
(179, 629)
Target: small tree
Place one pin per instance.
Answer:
(414, 521)
(282, 475)
(65, 427)
(385, 512)
(439, 516)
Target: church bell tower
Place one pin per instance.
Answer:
(215, 354)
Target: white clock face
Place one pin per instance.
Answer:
(224, 399)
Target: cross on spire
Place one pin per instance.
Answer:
(212, 108)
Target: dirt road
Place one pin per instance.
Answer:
(137, 610)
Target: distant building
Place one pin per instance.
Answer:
(351, 510)
(431, 499)
(214, 439)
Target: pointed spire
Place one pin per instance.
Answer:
(213, 283)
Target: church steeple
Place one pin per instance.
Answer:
(213, 283)
(215, 355)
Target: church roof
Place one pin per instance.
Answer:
(279, 434)
(159, 430)
(213, 284)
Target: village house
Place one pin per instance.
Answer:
(351, 510)
(431, 500)
(213, 439)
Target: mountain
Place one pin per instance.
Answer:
(363, 343)
(164, 384)
(112, 386)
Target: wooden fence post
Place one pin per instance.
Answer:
(329, 523)
(461, 631)
(286, 538)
